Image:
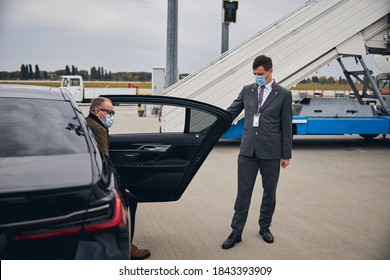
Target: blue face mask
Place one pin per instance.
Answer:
(109, 121)
(260, 80)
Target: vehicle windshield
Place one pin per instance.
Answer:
(35, 127)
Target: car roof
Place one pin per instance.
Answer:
(33, 92)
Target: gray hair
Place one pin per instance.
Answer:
(97, 102)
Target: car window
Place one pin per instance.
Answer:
(32, 127)
(151, 118)
(201, 121)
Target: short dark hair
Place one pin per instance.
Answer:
(264, 61)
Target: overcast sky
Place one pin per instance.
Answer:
(126, 35)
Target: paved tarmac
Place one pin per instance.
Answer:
(333, 203)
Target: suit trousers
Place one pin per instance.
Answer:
(248, 168)
(132, 202)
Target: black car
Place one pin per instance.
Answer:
(60, 199)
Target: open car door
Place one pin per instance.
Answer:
(157, 165)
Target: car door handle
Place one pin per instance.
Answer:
(155, 148)
(131, 155)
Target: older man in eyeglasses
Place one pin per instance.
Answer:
(101, 117)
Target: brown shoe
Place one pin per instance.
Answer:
(139, 254)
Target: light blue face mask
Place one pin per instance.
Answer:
(109, 121)
(260, 80)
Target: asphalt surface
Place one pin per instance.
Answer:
(333, 203)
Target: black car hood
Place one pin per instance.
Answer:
(19, 174)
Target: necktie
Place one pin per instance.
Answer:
(261, 94)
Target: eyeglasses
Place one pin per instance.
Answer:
(110, 112)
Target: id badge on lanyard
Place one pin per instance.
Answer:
(256, 119)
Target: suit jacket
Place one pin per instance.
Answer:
(272, 139)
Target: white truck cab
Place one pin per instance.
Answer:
(75, 85)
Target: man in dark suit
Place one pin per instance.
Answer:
(266, 146)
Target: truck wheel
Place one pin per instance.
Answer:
(368, 136)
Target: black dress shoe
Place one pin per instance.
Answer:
(267, 235)
(231, 241)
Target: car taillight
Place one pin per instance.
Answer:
(117, 219)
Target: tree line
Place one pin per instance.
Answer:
(100, 74)
(324, 81)
(27, 73)
(95, 74)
